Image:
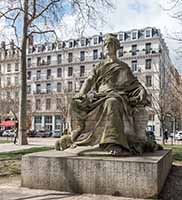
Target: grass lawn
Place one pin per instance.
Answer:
(5, 141)
(18, 154)
(176, 151)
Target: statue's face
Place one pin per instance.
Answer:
(109, 50)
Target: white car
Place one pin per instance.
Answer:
(178, 135)
(8, 133)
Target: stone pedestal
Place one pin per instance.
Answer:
(91, 171)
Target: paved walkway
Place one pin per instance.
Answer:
(32, 142)
(10, 190)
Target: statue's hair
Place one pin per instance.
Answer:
(111, 38)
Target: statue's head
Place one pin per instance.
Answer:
(111, 44)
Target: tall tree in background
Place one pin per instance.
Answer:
(30, 18)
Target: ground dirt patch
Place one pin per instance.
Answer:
(172, 189)
(10, 167)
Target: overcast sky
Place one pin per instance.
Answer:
(130, 14)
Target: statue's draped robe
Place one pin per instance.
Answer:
(106, 111)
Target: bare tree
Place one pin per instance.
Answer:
(28, 18)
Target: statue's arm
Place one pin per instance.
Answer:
(88, 84)
(86, 87)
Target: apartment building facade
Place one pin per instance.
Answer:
(56, 71)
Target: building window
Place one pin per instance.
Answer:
(59, 87)
(38, 88)
(134, 50)
(38, 75)
(82, 42)
(16, 80)
(70, 57)
(29, 75)
(28, 89)
(16, 67)
(48, 88)
(148, 64)
(70, 71)
(16, 94)
(48, 73)
(82, 70)
(48, 104)
(59, 72)
(70, 44)
(81, 83)
(38, 61)
(29, 62)
(48, 122)
(48, 60)
(134, 35)
(8, 81)
(121, 36)
(59, 103)
(8, 94)
(37, 104)
(70, 86)
(95, 40)
(148, 81)
(59, 59)
(95, 54)
(38, 122)
(147, 48)
(134, 65)
(9, 68)
(48, 119)
(58, 123)
(148, 33)
(82, 55)
(120, 52)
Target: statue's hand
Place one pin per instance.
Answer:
(79, 96)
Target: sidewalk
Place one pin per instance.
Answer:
(11, 190)
(32, 142)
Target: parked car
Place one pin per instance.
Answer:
(1, 132)
(9, 133)
(56, 133)
(31, 133)
(43, 133)
(178, 135)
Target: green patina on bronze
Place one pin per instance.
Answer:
(102, 112)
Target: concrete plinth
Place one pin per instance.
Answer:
(94, 172)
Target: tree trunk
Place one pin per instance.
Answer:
(23, 86)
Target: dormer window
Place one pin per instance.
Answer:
(82, 42)
(70, 44)
(95, 40)
(134, 35)
(60, 45)
(121, 36)
(148, 33)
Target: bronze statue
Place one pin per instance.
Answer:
(102, 112)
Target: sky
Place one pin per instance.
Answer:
(127, 15)
(131, 14)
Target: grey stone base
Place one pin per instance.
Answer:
(97, 173)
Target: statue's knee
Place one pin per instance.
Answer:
(111, 101)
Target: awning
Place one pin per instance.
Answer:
(7, 123)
